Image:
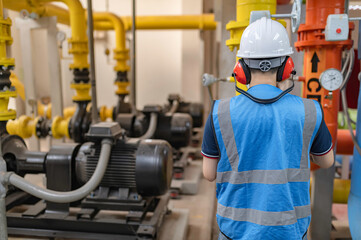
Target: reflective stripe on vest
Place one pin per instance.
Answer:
(301, 174)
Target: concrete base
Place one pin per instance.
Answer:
(190, 183)
(175, 225)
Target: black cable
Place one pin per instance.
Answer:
(265, 101)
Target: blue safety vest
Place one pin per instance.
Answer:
(263, 173)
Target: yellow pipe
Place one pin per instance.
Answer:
(341, 190)
(45, 111)
(78, 43)
(19, 86)
(24, 127)
(42, 9)
(105, 113)
(5, 40)
(59, 127)
(121, 54)
(202, 21)
(236, 28)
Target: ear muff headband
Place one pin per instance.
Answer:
(286, 69)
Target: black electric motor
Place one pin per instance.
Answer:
(175, 128)
(144, 166)
(194, 109)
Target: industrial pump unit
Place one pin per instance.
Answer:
(124, 204)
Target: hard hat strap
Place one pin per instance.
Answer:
(266, 101)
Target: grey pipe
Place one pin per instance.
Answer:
(134, 83)
(174, 108)
(152, 126)
(71, 196)
(95, 117)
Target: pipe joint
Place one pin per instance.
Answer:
(60, 127)
(24, 127)
(105, 113)
(121, 56)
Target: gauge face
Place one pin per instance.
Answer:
(331, 79)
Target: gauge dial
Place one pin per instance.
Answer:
(331, 79)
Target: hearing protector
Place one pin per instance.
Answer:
(242, 72)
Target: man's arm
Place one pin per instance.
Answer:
(210, 168)
(209, 151)
(321, 149)
(324, 161)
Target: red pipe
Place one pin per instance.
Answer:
(344, 142)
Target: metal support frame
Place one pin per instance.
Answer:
(32, 222)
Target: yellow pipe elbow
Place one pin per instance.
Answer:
(121, 53)
(69, 112)
(19, 86)
(59, 127)
(24, 127)
(78, 41)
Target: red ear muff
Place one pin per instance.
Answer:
(241, 72)
(286, 69)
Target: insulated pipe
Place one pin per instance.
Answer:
(71, 196)
(152, 126)
(320, 55)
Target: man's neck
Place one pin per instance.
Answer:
(262, 78)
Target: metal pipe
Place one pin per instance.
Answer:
(152, 126)
(202, 21)
(95, 117)
(175, 105)
(133, 84)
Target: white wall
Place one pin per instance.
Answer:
(168, 61)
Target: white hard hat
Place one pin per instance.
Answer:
(265, 38)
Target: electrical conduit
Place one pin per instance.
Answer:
(65, 197)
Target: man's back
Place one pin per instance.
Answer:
(263, 172)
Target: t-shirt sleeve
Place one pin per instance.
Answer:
(209, 144)
(322, 143)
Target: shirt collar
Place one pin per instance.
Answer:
(264, 91)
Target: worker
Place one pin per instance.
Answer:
(257, 145)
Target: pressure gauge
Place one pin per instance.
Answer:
(331, 79)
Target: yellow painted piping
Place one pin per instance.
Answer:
(78, 43)
(121, 54)
(19, 86)
(202, 21)
(6, 40)
(24, 127)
